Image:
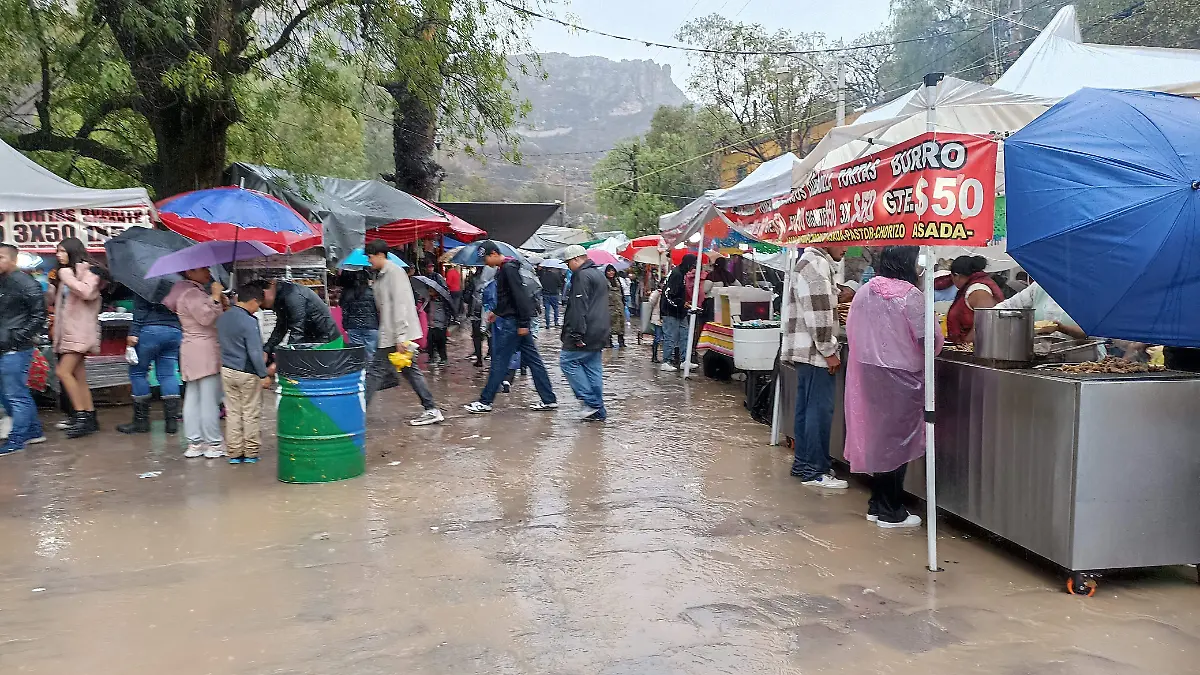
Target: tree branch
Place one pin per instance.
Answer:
(48, 141)
(103, 110)
(245, 63)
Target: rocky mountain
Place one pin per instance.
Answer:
(589, 102)
(584, 106)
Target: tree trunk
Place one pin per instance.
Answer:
(414, 130)
(191, 140)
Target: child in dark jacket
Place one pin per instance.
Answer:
(244, 373)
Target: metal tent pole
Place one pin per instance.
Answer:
(687, 357)
(777, 410)
(931, 89)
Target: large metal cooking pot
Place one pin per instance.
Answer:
(1004, 334)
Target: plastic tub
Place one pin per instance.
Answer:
(755, 348)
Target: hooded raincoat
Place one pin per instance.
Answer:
(885, 388)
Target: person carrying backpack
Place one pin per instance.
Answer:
(514, 311)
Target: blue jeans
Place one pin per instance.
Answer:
(584, 371)
(814, 420)
(506, 343)
(18, 402)
(674, 337)
(550, 302)
(158, 345)
(367, 337)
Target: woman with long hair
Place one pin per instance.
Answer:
(197, 300)
(360, 316)
(77, 329)
(885, 383)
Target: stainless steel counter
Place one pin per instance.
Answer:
(1089, 473)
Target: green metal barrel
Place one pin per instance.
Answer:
(322, 414)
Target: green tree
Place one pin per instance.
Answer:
(672, 164)
(150, 89)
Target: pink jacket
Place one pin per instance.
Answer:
(200, 353)
(77, 311)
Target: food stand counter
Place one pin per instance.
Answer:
(1091, 472)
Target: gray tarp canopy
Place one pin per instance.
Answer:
(553, 237)
(345, 208)
(511, 223)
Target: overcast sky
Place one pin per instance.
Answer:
(659, 19)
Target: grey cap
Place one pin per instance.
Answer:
(573, 251)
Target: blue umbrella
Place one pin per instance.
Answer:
(469, 256)
(1104, 212)
(553, 263)
(357, 259)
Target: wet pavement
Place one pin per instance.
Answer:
(669, 540)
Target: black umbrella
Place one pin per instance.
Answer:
(131, 253)
(440, 289)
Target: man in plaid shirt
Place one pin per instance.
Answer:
(810, 342)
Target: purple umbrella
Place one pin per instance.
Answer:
(208, 254)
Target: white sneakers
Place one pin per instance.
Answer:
(477, 407)
(544, 406)
(827, 482)
(668, 367)
(913, 520)
(195, 450)
(431, 416)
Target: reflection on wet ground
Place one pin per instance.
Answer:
(670, 540)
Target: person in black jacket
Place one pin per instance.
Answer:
(300, 315)
(586, 325)
(675, 306)
(552, 287)
(360, 316)
(156, 336)
(22, 318)
(514, 310)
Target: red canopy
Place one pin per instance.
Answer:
(641, 242)
(439, 222)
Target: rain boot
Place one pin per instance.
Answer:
(654, 353)
(171, 414)
(82, 426)
(141, 417)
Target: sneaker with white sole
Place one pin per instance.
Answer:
(214, 452)
(668, 368)
(194, 450)
(36, 441)
(689, 365)
(828, 482)
(5, 428)
(477, 407)
(913, 520)
(431, 416)
(585, 411)
(544, 406)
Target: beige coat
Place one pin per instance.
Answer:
(77, 311)
(398, 321)
(200, 353)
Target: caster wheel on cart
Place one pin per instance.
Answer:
(1077, 584)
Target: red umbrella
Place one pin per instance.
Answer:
(641, 242)
(236, 214)
(678, 253)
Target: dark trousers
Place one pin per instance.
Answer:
(550, 304)
(887, 496)
(477, 338)
(814, 421)
(437, 343)
(377, 370)
(506, 343)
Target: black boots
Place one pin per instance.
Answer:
(84, 425)
(141, 418)
(171, 414)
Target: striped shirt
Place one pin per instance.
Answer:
(810, 334)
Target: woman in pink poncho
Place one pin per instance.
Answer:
(885, 392)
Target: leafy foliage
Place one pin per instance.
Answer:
(668, 167)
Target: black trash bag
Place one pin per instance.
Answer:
(305, 362)
(760, 394)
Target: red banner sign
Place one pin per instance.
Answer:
(41, 231)
(929, 190)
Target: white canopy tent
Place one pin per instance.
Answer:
(28, 186)
(770, 179)
(1059, 63)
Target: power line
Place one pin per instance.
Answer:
(728, 52)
